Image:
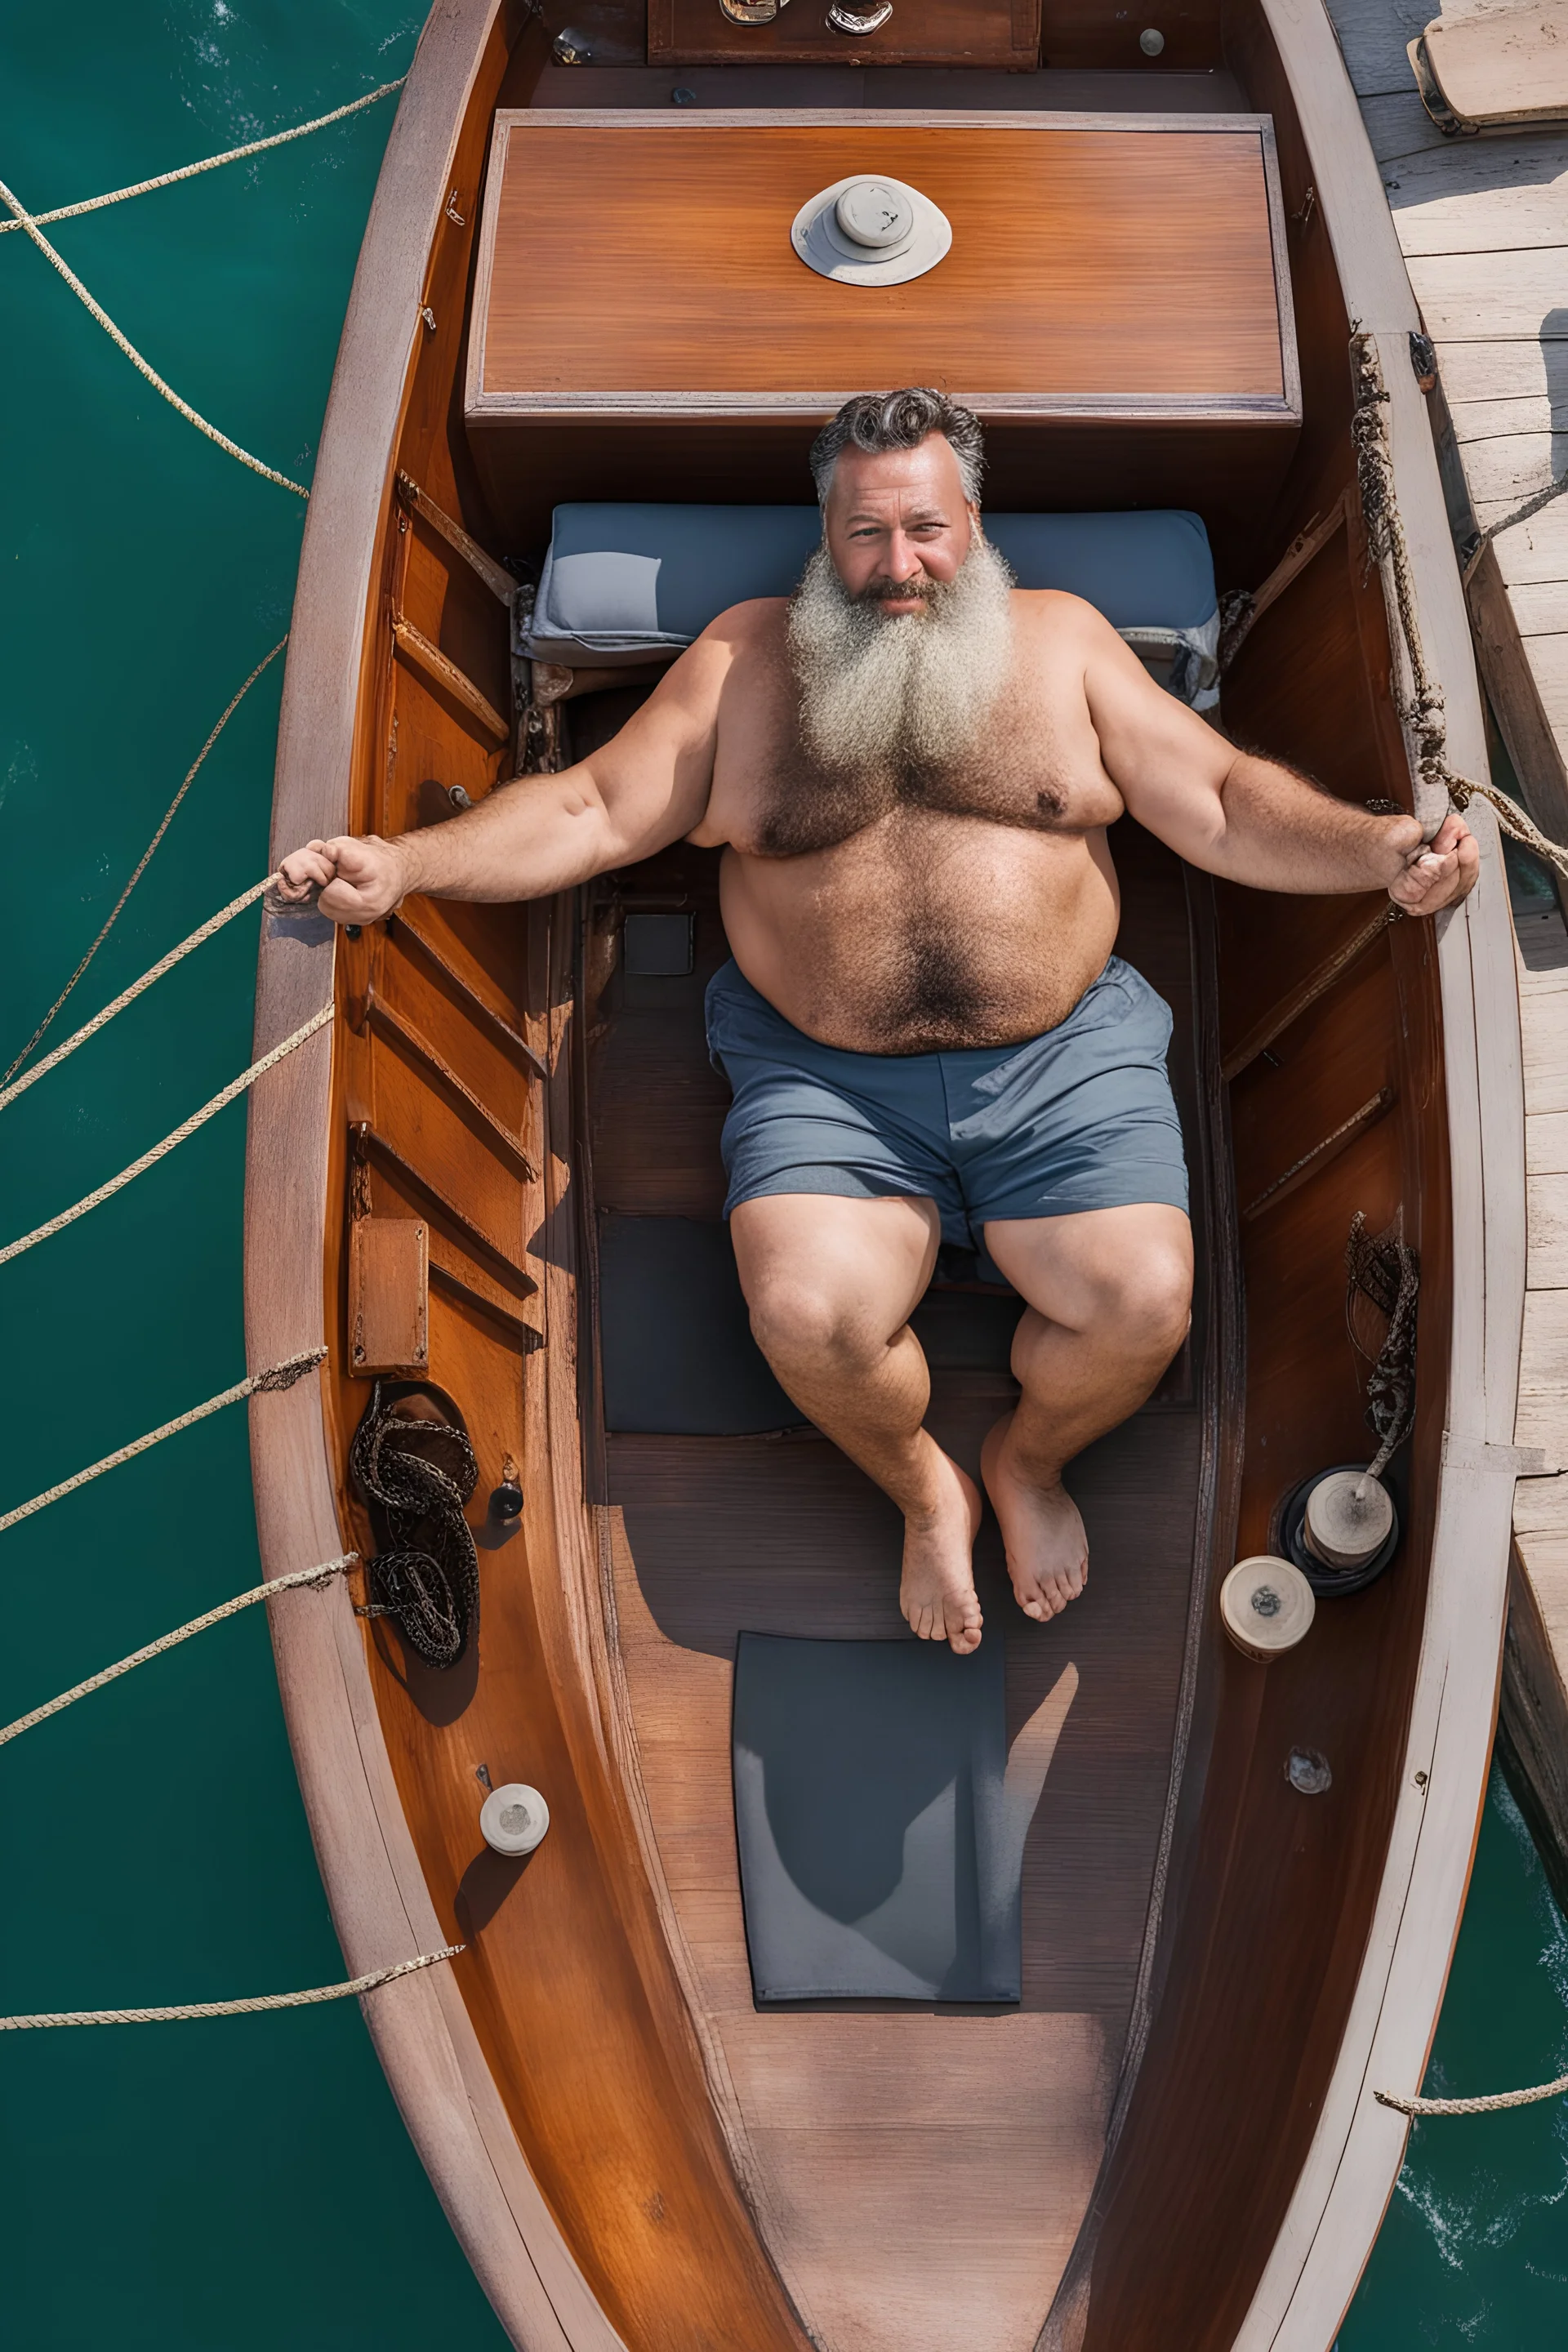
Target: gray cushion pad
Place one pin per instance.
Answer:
(878, 1862)
(675, 1338)
(623, 581)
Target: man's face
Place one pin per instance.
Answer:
(895, 523)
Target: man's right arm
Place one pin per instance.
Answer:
(646, 788)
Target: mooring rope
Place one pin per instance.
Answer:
(368, 1983)
(143, 863)
(277, 1376)
(1490, 2107)
(138, 987)
(1423, 713)
(186, 1128)
(301, 1578)
(25, 220)
(212, 163)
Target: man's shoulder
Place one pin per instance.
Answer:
(758, 621)
(1058, 606)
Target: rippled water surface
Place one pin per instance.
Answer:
(247, 2184)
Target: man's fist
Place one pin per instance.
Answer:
(353, 881)
(1440, 872)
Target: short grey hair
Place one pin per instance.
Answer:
(877, 422)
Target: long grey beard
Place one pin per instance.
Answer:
(877, 691)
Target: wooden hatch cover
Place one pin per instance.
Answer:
(658, 248)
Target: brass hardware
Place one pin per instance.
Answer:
(859, 21)
(750, 12)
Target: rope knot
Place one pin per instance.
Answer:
(284, 1375)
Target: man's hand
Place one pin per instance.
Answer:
(353, 881)
(1440, 872)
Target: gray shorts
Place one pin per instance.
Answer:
(1079, 1117)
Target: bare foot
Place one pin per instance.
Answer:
(937, 1594)
(1047, 1550)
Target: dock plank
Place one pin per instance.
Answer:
(1544, 412)
(1486, 195)
(1471, 296)
(1497, 367)
(1504, 469)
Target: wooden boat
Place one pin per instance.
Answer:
(1172, 2140)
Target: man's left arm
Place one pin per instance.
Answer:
(1251, 820)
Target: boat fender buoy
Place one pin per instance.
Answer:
(1266, 1606)
(1348, 1518)
(513, 1819)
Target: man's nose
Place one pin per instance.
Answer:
(903, 559)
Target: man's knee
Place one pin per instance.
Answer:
(795, 1321)
(1135, 1299)
(1145, 1298)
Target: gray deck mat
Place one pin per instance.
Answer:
(675, 1338)
(878, 1861)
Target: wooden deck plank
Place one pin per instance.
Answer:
(1399, 126)
(1496, 367)
(1485, 195)
(1503, 469)
(1544, 412)
(1471, 296)
(1540, 607)
(1546, 1212)
(1548, 660)
(1536, 550)
(1546, 1144)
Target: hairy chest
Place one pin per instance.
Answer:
(1028, 768)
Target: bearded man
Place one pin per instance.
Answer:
(910, 766)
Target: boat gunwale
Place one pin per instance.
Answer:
(1343, 2189)
(374, 1883)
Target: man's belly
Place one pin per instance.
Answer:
(950, 934)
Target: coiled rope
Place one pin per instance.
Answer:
(159, 1151)
(368, 1983)
(302, 1578)
(1488, 2106)
(23, 219)
(417, 1476)
(212, 163)
(129, 995)
(1423, 713)
(279, 1376)
(143, 863)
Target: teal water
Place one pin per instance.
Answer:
(216, 2188)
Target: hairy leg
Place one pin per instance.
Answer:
(831, 1283)
(1108, 1293)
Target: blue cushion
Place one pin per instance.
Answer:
(623, 582)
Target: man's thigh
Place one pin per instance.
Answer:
(1097, 1263)
(867, 1260)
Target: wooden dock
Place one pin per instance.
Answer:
(1483, 227)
